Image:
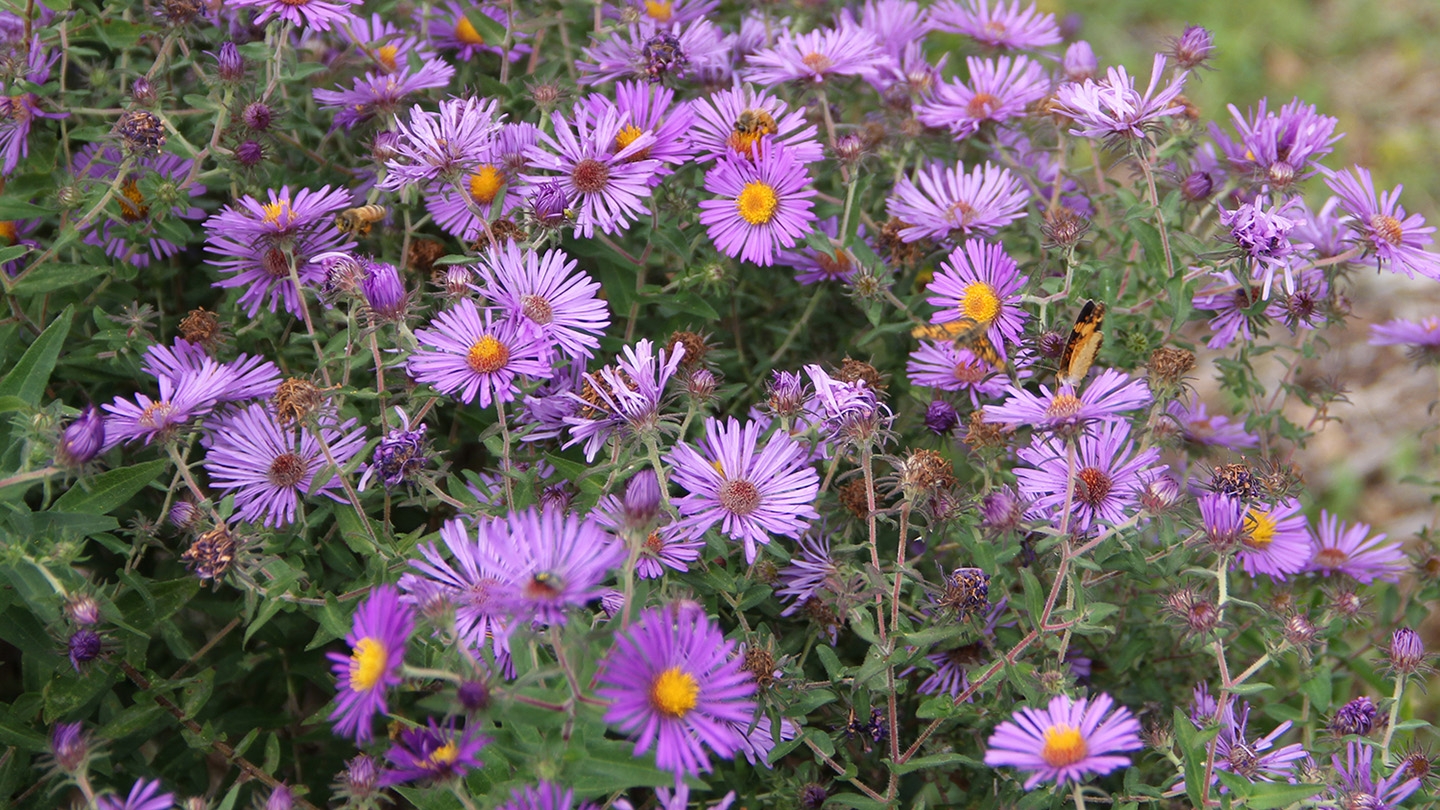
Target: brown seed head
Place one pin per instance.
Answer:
(212, 553)
(1169, 365)
(295, 399)
(201, 327)
(695, 346)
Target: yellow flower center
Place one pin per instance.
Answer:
(466, 33)
(757, 203)
(981, 303)
(674, 692)
(659, 11)
(1063, 746)
(132, 202)
(8, 234)
(444, 755)
(367, 664)
(485, 184)
(385, 54)
(1259, 530)
(276, 211)
(488, 355)
(627, 136)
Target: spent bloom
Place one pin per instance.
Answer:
(752, 492)
(1262, 235)
(1112, 109)
(470, 354)
(1066, 741)
(1101, 476)
(674, 681)
(998, 90)
(762, 205)
(377, 641)
(624, 398)
(606, 184)
(1350, 550)
(1277, 150)
(732, 122)
(82, 439)
(1358, 785)
(400, 455)
(547, 289)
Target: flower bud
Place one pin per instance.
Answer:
(1197, 186)
(1407, 651)
(1080, 62)
(1299, 630)
(230, 64)
(82, 439)
(82, 609)
(184, 515)
(384, 292)
(1193, 47)
(612, 602)
(385, 146)
(70, 746)
(257, 116)
(142, 92)
(812, 797)
(642, 498)
(474, 696)
(249, 153)
(1355, 717)
(280, 799)
(457, 281)
(84, 646)
(786, 397)
(360, 777)
(700, 385)
(941, 417)
(549, 205)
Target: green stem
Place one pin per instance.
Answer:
(1394, 717)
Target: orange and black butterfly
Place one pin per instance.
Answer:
(966, 332)
(1083, 345)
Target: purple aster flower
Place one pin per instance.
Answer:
(1422, 337)
(473, 355)
(259, 244)
(384, 45)
(638, 518)
(848, 411)
(1006, 27)
(1106, 477)
(814, 57)
(814, 266)
(1223, 520)
(84, 646)
(947, 200)
(895, 24)
(1237, 753)
(1278, 150)
(674, 680)
(811, 569)
(952, 665)
(19, 107)
(1380, 225)
(553, 561)
(1305, 306)
(1110, 394)
(82, 439)
(435, 753)
(1192, 48)
(547, 795)
(1276, 541)
(1234, 305)
(624, 398)
(1358, 786)
(381, 93)
(1112, 109)
(180, 401)
(1349, 550)
(756, 744)
(762, 205)
(729, 123)
(400, 456)
(547, 407)
(1355, 717)
(1263, 237)
(909, 78)
(246, 377)
(1079, 62)
(548, 290)
(441, 146)
(750, 494)
(1407, 651)
(69, 746)
(1203, 708)
(1066, 741)
(473, 584)
(980, 282)
(606, 185)
(654, 51)
(385, 298)
(491, 183)
(1325, 230)
(130, 234)
(269, 466)
(668, 11)
(317, 15)
(144, 795)
(998, 90)
(382, 626)
(648, 108)
(1197, 426)
(947, 367)
(451, 30)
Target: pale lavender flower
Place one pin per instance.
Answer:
(553, 561)
(1423, 337)
(317, 15)
(1253, 759)
(623, 399)
(472, 582)
(1278, 150)
(1380, 225)
(1276, 541)
(653, 52)
(1359, 788)
(1262, 235)
(1079, 62)
(131, 232)
(441, 146)
(607, 185)
(1350, 550)
(763, 205)
(1110, 395)
(467, 355)
(1198, 426)
(1102, 477)
(947, 367)
(451, 30)
(1067, 741)
(998, 26)
(895, 24)
(144, 795)
(732, 122)
(549, 291)
(1113, 109)
(380, 94)
(1235, 308)
(943, 200)
(997, 90)
(817, 56)
(980, 282)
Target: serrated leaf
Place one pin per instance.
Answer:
(109, 491)
(27, 380)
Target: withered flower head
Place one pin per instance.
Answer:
(212, 554)
(295, 399)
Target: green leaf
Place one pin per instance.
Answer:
(12, 207)
(1034, 595)
(109, 491)
(51, 277)
(933, 761)
(492, 32)
(1192, 752)
(830, 661)
(1318, 689)
(686, 301)
(27, 380)
(611, 766)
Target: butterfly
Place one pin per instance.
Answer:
(966, 332)
(1083, 345)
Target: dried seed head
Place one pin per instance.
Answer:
(422, 256)
(696, 347)
(295, 399)
(924, 473)
(897, 251)
(502, 232)
(852, 370)
(1236, 480)
(980, 434)
(211, 554)
(854, 498)
(1063, 227)
(967, 591)
(760, 663)
(1169, 366)
(141, 133)
(201, 327)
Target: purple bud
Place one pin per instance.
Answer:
(385, 146)
(400, 455)
(142, 92)
(1407, 651)
(1080, 62)
(184, 515)
(457, 281)
(642, 498)
(280, 799)
(549, 204)
(257, 116)
(84, 647)
(82, 439)
(249, 154)
(1197, 186)
(787, 394)
(360, 776)
(812, 797)
(384, 292)
(612, 602)
(69, 744)
(1355, 717)
(1193, 47)
(1159, 493)
(82, 609)
(700, 385)
(1001, 510)
(473, 695)
(230, 63)
(941, 417)
(343, 275)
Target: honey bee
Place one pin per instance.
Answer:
(966, 332)
(750, 126)
(359, 220)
